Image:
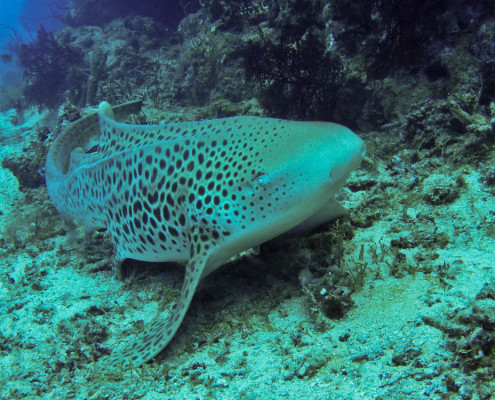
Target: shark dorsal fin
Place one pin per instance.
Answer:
(196, 193)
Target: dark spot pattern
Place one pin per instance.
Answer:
(178, 192)
(207, 164)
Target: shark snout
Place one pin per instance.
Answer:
(361, 154)
(363, 150)
(351, 155)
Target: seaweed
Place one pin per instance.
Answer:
(297, 79)
(395, 33)
(101, 12)
(233, 15)
(50, 69)
(296, 69)
(409, 27)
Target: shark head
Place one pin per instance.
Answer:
(195, 192)
(306, 163)
(297, 169)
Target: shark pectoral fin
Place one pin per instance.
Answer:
(330, 211)
(158, 334)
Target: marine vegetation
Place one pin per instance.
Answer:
(101, 12)
(234, 15)
(188, 207)
(396, 34)
(50, 69)
(395, 299)
(298, 80)
(298, 71)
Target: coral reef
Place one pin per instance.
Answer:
(394, 301)
(101, 12)
(298, 79)
(299, 73)
(50, 69)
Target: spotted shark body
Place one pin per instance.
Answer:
(195, 192)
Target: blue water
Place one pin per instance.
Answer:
(20, 20)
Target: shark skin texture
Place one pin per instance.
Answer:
(196, 193)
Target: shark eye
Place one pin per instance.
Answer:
(261, 179)
(257, 183)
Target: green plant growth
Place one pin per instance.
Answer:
(298, 79)
(49, 67)
(391, 33)
(233, 15)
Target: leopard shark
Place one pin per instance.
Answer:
(196, 193)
